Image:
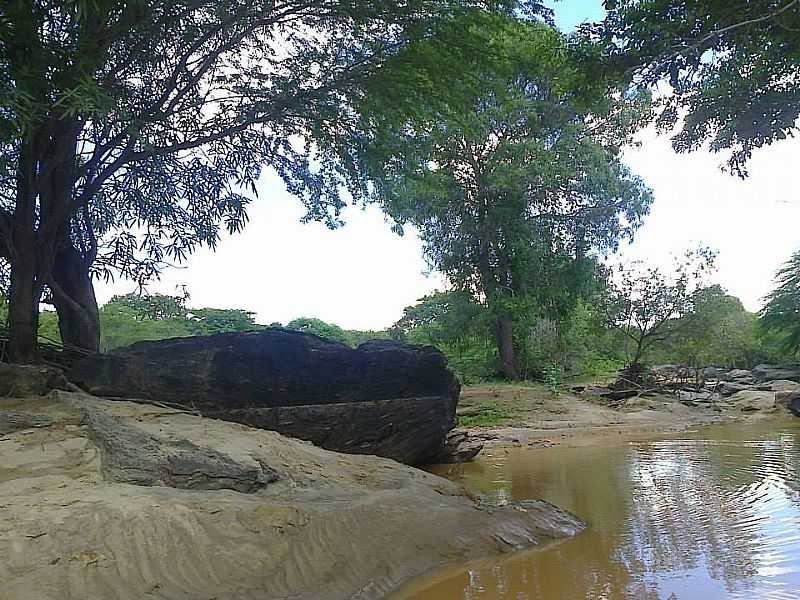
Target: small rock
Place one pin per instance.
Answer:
(19, 381)
(779, 385)
(729, 388)
(13, 421)
(737, 374)
(459, 447)
(131, 455)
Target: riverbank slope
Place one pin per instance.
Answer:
(120, 500)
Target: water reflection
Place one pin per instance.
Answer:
(710, 515)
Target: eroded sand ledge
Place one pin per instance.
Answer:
(307, 523)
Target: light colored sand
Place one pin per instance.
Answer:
(539, 419)
(332, 526)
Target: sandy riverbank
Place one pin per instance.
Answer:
(529, 415)
(306, 523)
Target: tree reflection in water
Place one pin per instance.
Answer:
(712, 514)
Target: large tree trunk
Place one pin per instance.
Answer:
(23, 315)
(20, 246)
(504, 333)
(42, 210)
(74, 299)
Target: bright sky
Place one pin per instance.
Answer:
(362, 275)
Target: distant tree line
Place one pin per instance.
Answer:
(641, 316)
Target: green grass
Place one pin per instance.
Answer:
(487, 416)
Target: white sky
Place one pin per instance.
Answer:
(362, 275)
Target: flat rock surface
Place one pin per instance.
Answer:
(324, 526)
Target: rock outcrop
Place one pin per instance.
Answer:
(753, 401)
(382, 398)
(326, 525)
(130, 454)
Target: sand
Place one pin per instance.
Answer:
(331, 526)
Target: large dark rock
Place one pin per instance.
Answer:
(381, 398)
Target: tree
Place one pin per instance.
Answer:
(718, 331)
(650, 306)
(130, 130)
(439, 318)
(511, 185)
(781, 313)
(318, 327)
(208, 321)
(733, 67)
(458, 326)
(137, 317)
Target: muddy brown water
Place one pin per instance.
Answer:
(707, 515)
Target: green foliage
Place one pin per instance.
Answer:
(648, 305)
(458, 326)
(780, 316)
(329, 331)
(135, 132)
(442, 317)
(576, 345)
(732, 67)
(134, 317)
(552, 378)
(152, 307)
(208, 321)
(48, 327)
(718, 331)
(513, 184)
(318, 327)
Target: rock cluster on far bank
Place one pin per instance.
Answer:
(765, 388)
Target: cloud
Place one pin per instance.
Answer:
(752, 223)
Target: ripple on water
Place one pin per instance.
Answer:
(709, 515)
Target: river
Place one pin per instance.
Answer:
(707, 515)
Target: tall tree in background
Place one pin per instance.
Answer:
(512, 184)
(733, 67)
(650, 305)
(130, 128)
(781, 313)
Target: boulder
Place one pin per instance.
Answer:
(459, 447)
(779, 385)
(775, 372)
(714, 372)
(383, 398)
(19, 381)
(739, 375)
(729, 388)
(788, 399)
(753, 401)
